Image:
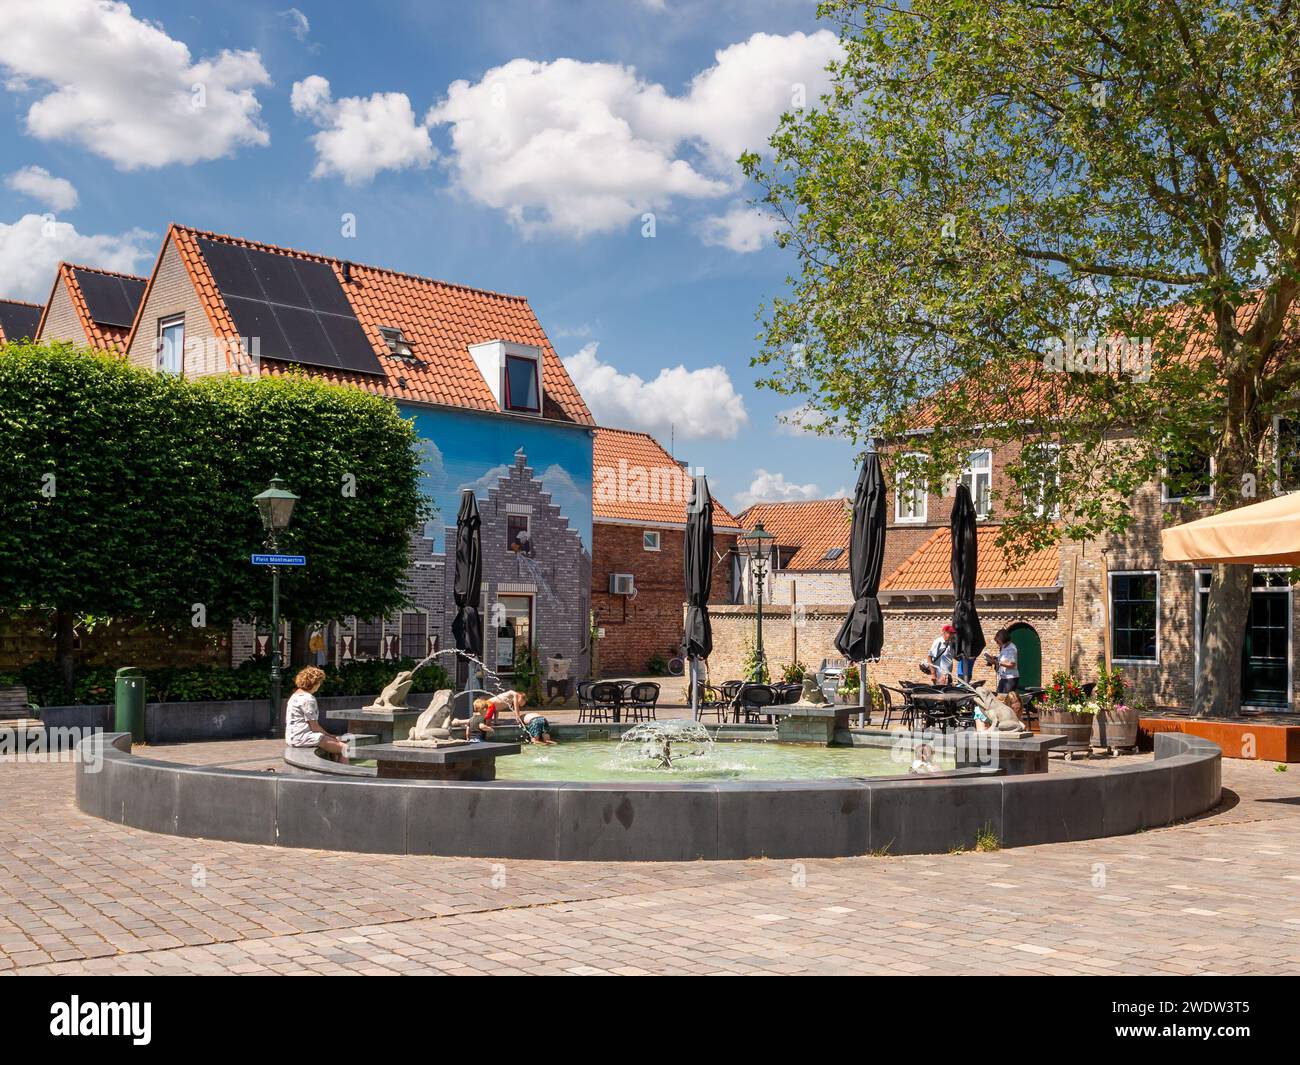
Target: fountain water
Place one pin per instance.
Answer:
(665, 742)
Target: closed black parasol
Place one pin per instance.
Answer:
(863, 633)
(467, 628)
(698, 555)
(969, 640)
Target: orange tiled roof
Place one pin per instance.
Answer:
(24, 306)
(439, 319)
(98, 337)
(813, 526)
(929, 567)
(659, 494)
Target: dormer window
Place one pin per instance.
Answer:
(397, 344)
(513, 373)
(522, 392)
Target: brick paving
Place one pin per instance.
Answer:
(80, 895)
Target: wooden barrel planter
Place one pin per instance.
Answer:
(1076, 728)
(1116, 730)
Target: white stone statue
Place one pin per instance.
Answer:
(432, 724)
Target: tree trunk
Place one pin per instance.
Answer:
(1218, 683)
(64, 622)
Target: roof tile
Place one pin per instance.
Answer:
(929, 567)
(636, 480)
(813, 526)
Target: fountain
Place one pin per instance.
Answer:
(663, 742)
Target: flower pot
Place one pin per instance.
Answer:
(1115, 728)
(1075, 727)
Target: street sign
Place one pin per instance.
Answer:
(279, 560)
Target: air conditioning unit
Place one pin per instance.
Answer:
(622, 584)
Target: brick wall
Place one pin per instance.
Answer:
(61, 321)
(172, 293)
(651, 622)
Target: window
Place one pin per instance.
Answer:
(1134, 617)
(978, 479)
(171, 344)
(522, 392)
(415, 634)
(910, 497)
(1287, 447)
(518, 539)
(515, 629)
(1043, 487)
(397, 344)
(1188, 475)
(832, 554)
(368, 639)
(650, 540)
(783, 556)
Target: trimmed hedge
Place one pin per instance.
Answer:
(250, 680)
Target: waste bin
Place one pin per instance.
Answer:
(129, 715)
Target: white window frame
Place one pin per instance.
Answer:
(973, 471)
(170, 322)
(1110, 615)
(1197, 576)
(1038, 508)
(901, 490)
(651, 540)
(1278, 487)
(1165, 497)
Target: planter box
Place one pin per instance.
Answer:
(1114, 730)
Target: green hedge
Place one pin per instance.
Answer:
(251, 680)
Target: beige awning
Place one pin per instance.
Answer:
(1262, 533)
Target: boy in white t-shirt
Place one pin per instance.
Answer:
(302, 727)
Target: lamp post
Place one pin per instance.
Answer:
(275, 506)
(757, 545)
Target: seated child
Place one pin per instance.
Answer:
(924, 761)
(302, 727)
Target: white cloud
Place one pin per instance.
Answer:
(125, 90)
(694, 404)
(799, 421)
(769, 487)
(58, 194)
(32, 247)
(360, 136)
(299, 25)
(742, 229)
(580, 148)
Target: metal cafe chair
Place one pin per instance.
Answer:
(712, 701)
(639, 701)
(606, 700)
(756, 700)
(585, 707)
(730, 689)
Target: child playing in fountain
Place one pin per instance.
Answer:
(536, 728)
(302, 727)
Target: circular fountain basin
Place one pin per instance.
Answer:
(595, 760)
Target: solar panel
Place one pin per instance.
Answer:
(18, 321)
(110, 300)
(295, 306)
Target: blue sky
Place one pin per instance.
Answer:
(516, 146)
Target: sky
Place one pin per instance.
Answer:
(580, 154)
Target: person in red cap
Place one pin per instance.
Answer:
(939, 659)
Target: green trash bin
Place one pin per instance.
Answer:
(129, 715)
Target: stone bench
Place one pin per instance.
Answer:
(309, 759)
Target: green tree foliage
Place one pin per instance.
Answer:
(125, 492)
(994, 194)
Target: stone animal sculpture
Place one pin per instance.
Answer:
(393, 697)
(432, 724)
(1001, 717)
(812, 692)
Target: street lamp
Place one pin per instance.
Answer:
(275, 506)
(757, 545)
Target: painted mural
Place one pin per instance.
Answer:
(468, 450)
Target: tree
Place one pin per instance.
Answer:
(129, 493)
(1073, 229)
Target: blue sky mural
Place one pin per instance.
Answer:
(517, 145)
(467, 450)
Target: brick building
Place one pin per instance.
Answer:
(494, 407)
(91, 308)
(639, 505)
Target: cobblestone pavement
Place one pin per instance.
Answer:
(80, 895)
